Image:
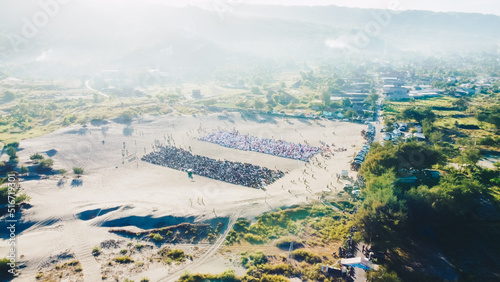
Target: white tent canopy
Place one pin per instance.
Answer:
(359, 262)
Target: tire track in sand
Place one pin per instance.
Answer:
(208, 254)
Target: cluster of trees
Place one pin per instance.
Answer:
(393, 212)
(490, 115)
(450, 197)
(371, 100)
(401, 157)
(419, 114)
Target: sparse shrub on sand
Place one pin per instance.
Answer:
(173, 254)
(96, 251)
(36, 157)
(78, 170)
(156, 237)
(45, 165)
(124, 259)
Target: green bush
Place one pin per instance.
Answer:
(36, 156)
(173, 254)
(23, 170)
(96, 251)
(4, 268)
(78, 170)
(241, 225)
(303, 255)
(13, 144)
(176, 255)
(22, 198)
(254, 239)
(156, 237)
(44, 165)
(256, 259)
(232, 238)
(124, 259)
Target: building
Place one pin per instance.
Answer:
(356, 98)
(360, 87)
(394, 89)
(359, 262)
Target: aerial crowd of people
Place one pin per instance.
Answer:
(274, 147)
(233, 172)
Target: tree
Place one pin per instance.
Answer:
(372, 99)
(11, 152)
(403, 156)
(325, 96)
(346, 102)
(435, 136)
(470, 156)
(497, 165)
(455, 197)
(350, 114)
(13, 144)
(381, 214)
(418, 114)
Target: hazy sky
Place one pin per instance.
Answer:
(466, 6)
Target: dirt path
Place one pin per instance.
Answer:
(87, 84)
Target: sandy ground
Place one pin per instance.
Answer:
(488, 160)
(119, 192)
